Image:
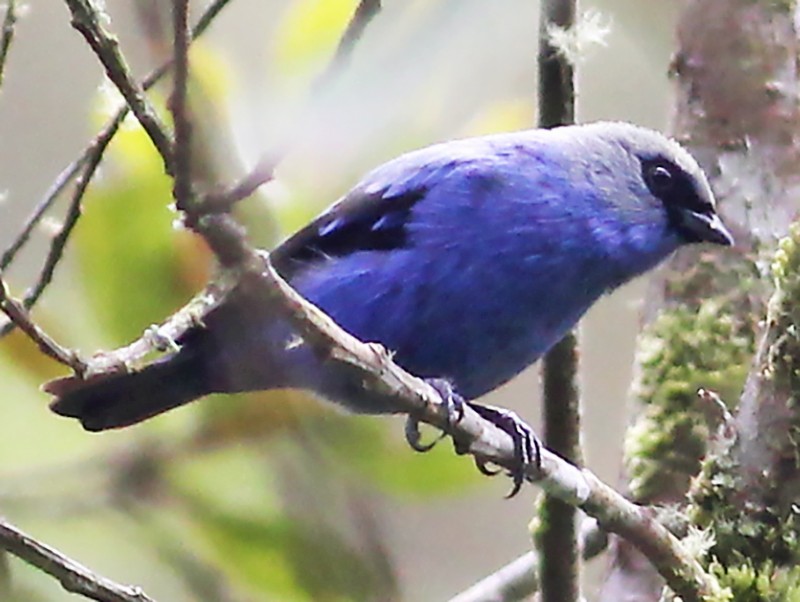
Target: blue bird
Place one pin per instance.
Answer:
(467, 259)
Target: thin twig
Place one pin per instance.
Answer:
(364, 14)
(19, 316)
(518, 580)
(372, 367)
(557, 534)
(87, 19)
(91, 156)
(59, 241)
(57, 187)
(7, 35)
(221, 202)
(73, 577)
(182, 181)
(263, 172)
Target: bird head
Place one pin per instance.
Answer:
(661, 177)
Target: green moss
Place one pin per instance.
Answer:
(742, 535)
(784, 314)
(756, 554)
(767, 583)
(683, 350)
(786, 6)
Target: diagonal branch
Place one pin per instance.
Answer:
(363, 15)
(7, 35)
(371, 365)
(87, 19)
(263, 172)
(19, 316)
(74, 577)
(90, 159)
(518, 579)
(59, 241)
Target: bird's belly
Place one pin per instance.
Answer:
(476, 337)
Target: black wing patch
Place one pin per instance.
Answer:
(363, 222)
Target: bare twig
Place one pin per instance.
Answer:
(59, 241)
(182, 183)
(518, 580)
(73, 577)
(557, 535)
(363, 15)
(7, 35)
(91, 156)
(263, 172)
(221, 202)
(87, 19)
(372, 366)
(57, 187)
(19, 316)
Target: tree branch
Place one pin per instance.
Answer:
(371, 365)
(7, 35)
(734, 65)
(556, 534)
(363, 15)
(518, 580)
(19, 316)
(182, 186)
(73, 577)
(220, 202)
(90, 158)
(87, 19)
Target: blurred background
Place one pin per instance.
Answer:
(277, 497)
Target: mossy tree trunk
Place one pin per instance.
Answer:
(737, 109)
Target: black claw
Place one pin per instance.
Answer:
(413, 436)
(454, 405)
(482, 466)
(527, 447)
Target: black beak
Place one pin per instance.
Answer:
(696, 226)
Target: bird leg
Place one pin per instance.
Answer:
(454, 405)
(527, 447)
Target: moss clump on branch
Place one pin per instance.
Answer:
(767, 583)
(783, 362)
(759, 536)
(749, 502)
(682, 350)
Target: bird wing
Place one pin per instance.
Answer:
(373, 216)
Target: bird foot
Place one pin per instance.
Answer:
(454, 405)
(527, 447)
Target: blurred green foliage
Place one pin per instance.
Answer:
(126, 242)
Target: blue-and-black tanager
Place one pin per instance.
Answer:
(468, 260)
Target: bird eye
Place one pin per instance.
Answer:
(659, 179)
